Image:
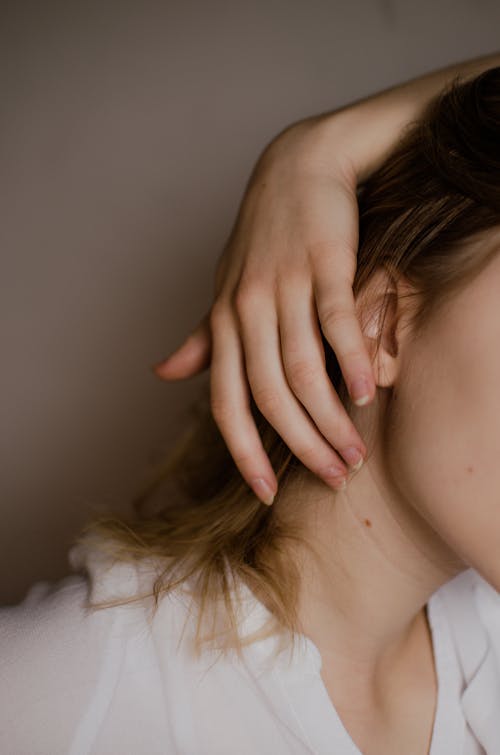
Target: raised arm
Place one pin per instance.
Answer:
(286, 272)
(369, 128)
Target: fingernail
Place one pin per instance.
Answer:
(338, 484)
(263, 490)
(336, 478)
(353, 457)
(360, 391)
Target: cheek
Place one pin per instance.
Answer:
(444, 450)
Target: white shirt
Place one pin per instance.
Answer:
(115, 682)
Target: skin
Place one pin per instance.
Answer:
(296, 231)
(414, 515)
(425, 509)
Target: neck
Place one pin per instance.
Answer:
(375, 564)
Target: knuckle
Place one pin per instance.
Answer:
(331, 317)
(301, 374)
(218, 313)
(309, 455)
(323, 247)
(242, 300)
(222, 412)
(353, 355)
(340, 247)
(246, 299)
(267, 400)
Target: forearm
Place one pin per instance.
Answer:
(359, 135)
(390, 110)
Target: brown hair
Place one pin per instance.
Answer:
(437, 189)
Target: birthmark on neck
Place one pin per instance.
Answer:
(470, 469)
(368, 523)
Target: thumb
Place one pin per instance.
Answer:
(191, 357)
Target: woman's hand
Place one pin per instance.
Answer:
(290, 259)
(286, 271)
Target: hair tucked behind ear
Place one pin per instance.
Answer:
(438, 188)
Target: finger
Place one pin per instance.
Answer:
(339, 322)
(191, 357)
(230, 405)
(304, 364)
(275, 400)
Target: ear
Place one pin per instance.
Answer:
(383, 312)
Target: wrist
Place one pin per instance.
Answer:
(362, 134)
(349, 143)
(314, 146)
(354, 140)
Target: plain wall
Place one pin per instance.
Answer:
(127, 134)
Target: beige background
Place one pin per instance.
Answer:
(128, 131)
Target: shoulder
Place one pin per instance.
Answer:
(56, 650)
(49, 608)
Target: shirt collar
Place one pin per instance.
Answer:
(473, 609)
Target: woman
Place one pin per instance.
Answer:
(299, 213)
(396, 638)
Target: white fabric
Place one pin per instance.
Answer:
(111, 682)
